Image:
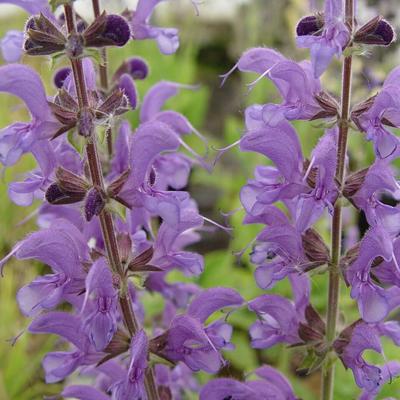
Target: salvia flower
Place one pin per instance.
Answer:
(326, 41)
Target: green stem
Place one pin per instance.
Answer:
(334, 273)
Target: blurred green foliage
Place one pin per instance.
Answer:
(21, 377)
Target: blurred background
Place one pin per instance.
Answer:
(210, 45)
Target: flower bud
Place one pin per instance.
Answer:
(117, 184)
(43, 37)
(94, 203)
(314, 247)
(330, 107)
(56, 196)
(127, 85)
(136, 67)
(60, 76)
(124, 246)
(310, 25)
(354, 182)
(107, 30)
(119, 344)
(70, 182)
(377, 31)
(115, 104)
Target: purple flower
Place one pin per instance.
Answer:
(373, 301)
(279, 317)
(22, 137)
(11, 46)
(100, 306)
(167, 38)
(388, 372)
(59, 364)
(31, 6)
(285, 181)
(63, 248)
(83, 392)
(324, 191)
(350, 349)
(381, 111)
(328, 42)
(379, 178)
(189, 341)
(132, 386)
(169, 242)
(350, 346)
(270, 385)
(277, 253)
(294, 81)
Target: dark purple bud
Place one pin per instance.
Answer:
(60, 76)
(377, 31)
(310, 25)
(81, 25)
(138, 68)
(117, 30)
(94, 203)
(107, 30)
(127, 85)
(55, 195)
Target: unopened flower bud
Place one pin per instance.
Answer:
(94, 203)
(136, 67)
(115, 104)
(119, 344)
(310, 25)
(70, 182)
(377, 31)
(330, 107)
(127, 85)
(314, 247)
(124, 246)
(60, 76)
(117, 184)
(43, 37)
(354, 182)
(107, 30)
(75, 46)
(56, 196)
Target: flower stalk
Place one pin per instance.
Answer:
(106, 221)
(334, 273)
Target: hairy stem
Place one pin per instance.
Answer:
(106, 220)
(103, 71)
(334, 273)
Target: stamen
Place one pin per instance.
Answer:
(228, 74)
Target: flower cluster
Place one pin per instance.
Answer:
(115, 219)
(307, 188)
(112, 225)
